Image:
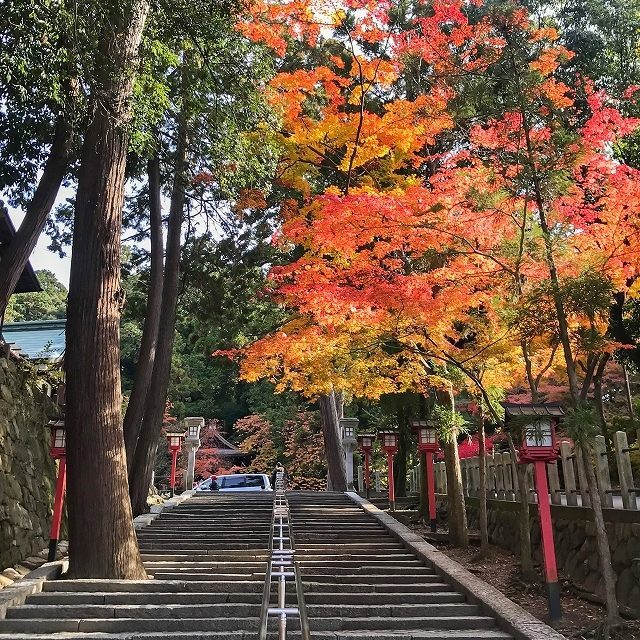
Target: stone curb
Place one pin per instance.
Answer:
(16, 594)
(510, 616)
(146, 519)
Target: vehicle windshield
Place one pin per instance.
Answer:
(238, 482)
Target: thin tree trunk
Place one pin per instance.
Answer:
(632, 413)
(526, 560)
(16, 255)
(102, 541)
(484, 528)
(144, 457)
(597, 392)
(627, 391)
(336, 471)
(602, 540)
(423, 487)
(404, 444)
(458, 531)
(144, 367)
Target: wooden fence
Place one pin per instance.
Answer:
(567, 478)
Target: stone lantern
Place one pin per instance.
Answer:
(192, 444)
(349, 428)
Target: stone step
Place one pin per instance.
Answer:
(238, 610)
(122, 625)
(123, 597)
(414, 571)
(318, 585)
(349, 597)
(472, 634)
(152, 586)
(353, 578)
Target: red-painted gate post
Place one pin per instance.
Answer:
(58, 451)
(174, 440)
(548, 547)
(365, 442)
(431, 492)
(539, 446)
(390, 446)
(58, 503)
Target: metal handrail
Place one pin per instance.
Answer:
(266, 590)
(280, 499)
(302, 605)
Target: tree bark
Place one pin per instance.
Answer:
(336, 471)
(597, 392)
(404, 445)
(144, 457)
(484, 528)
(102, 541)
(144, 368)
(602, 540)
(16, 255)
(423, 488)
(458, 531)
(526, 560)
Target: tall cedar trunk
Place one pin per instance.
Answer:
(17, 254)
(602, 540)
(526, 559)
(145, 452)
(144, 368)
(336, 471)
(102, 541)
(484, 529)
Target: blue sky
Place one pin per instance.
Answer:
(42, 258)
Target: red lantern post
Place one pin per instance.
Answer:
(365, 442)
(174, 440)
(428, 444)
(539, 446)
(58, 452)
(390, 446)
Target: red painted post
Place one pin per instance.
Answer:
(392, 491)
(367, 480)
(548, 548)
(174, 462)
(56, 521)
(431, 491)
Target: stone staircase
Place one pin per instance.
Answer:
(362, 583)
(207, 558)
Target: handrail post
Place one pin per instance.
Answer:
(282, 530)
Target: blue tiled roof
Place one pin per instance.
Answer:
(40, 339)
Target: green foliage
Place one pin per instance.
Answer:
(449, 423)
(48, 304)
(581, 424)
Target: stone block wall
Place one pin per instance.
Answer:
(576, 551)
(27, 473)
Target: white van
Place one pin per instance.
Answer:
(236, 482)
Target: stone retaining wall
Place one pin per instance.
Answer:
(575, 541)
(27, 473)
